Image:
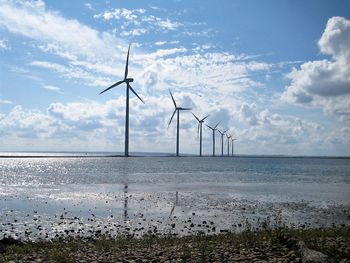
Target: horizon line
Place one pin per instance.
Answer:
(152, 154)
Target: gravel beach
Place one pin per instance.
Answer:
(279, 245)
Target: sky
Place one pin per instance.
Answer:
(275, 74)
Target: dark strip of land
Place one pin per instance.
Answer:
(182, 156)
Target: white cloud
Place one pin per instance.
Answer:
(4, 44)
(72, 72)
(99, 123)
(247, 114)
(134, 32)
(61, 36)
(160, 43)
(208, 72)
(325, 83)
(167, 24)
(121, 13)
(53, 88)
(279, 134)
(215, 83)
(5, 102)
(87, 53)
(89, 6)
(25, 123)
(70, 126)
(138, 17)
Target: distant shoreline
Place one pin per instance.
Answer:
(166, 156)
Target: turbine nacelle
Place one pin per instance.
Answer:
(213, 128)
(180, 108)
(223, 132)
(200, 121)
(127, 81)
(176, 108)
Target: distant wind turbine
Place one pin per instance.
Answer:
(199, 130)
(228, 143)
(213, 129)
(128, 87)
(222, 141)
(177, 110)
(233, 141)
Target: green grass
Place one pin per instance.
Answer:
(203, 245)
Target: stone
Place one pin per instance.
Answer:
(310, 255)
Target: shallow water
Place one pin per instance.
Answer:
(49, 196)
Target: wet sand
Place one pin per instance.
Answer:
(50, 198)
(135, 214)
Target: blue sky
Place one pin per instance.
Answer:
(275, 73)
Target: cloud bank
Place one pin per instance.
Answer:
(325, 83)
(222, 84)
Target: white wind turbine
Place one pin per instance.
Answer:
(222, 141)
(213, 129)
(177, 110)
(199, 130)
(127, 81)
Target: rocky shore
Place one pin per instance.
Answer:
(278, 245)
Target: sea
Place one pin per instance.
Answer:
(60, 195)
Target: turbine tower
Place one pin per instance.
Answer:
(233, 141)
(127, 81)
(228, 143)
(213, 129)
(199, 130)
(222, 141)
(177, 110)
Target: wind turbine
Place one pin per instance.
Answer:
(233, 141)
(222, 141)
(177, 110)
(228, 143)
(199, 130)
(213, 129)
(127, 81)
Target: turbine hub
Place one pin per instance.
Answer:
(129, 80)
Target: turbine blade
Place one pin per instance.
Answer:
(172, 116)
(205, 118)
(127, 64)
(135, 93)
(114, 85)
(209, 127)
(195, 116)
(185, 108)
(172, 98)
(198, 129)
(216, 125)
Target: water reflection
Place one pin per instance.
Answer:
(175, 203)
(126, 218)
(126, 173)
